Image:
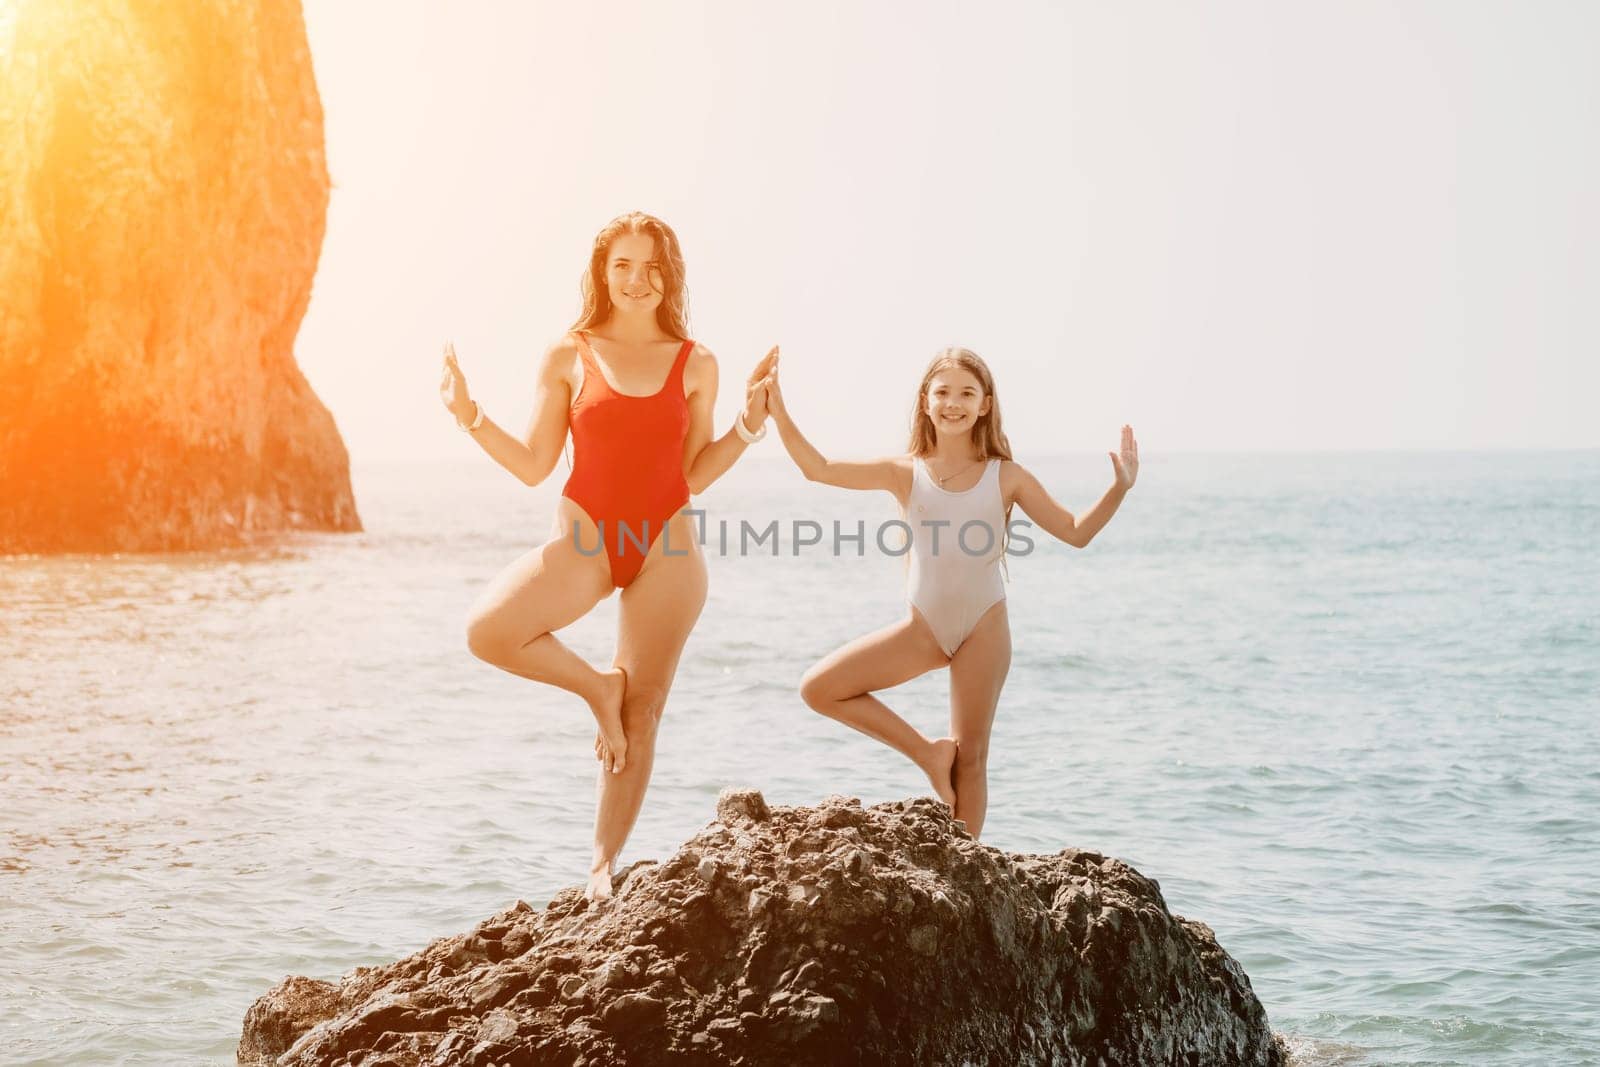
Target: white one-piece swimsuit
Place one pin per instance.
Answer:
(957, 541)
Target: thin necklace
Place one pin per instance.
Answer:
(947, 477)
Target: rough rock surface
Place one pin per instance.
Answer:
(161, 217)
(826, 935)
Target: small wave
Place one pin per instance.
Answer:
(1319, 1052)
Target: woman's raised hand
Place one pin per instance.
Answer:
(1126, 465)
(755, 392)
(453, 386)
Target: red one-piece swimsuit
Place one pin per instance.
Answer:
(627, 461)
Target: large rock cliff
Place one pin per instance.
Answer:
(826, 935)
(161, 215)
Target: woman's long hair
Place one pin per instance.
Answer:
(987, 432)
(673, 312)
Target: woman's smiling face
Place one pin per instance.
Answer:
(633, 274)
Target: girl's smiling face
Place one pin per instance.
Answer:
(955, 401)
(633, 274)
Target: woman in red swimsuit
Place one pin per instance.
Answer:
(637, 396)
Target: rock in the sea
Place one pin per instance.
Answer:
(164, 201)
(829, 935)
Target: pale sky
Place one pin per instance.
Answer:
(1273, 226)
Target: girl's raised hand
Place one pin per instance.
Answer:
(453, 386)
(1126, 465)
(775, 394)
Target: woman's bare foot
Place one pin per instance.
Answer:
(611, 747)
(941, 762)
(599, 887)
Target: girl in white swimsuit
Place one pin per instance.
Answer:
(956, 484)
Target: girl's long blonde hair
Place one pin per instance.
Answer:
(673, 312)
(987, 432)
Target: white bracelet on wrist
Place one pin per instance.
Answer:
(476, 422)
(745, 435)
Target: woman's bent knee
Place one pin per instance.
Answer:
(487, 640)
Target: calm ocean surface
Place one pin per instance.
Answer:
(1342, 706)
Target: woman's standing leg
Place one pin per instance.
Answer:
(841, 684)
(546, 589)
(977, 674)
(658, 611)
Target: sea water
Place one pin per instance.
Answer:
(1342, 706)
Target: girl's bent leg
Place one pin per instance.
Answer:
(841, 685)
(977, 674)
(511, 624)
(659, 609)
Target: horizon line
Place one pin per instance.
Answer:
(1145, 453)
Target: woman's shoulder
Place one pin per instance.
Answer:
(561, 360)
(699, 369)
(564, 347)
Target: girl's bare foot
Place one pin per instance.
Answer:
(940, 764)
(599, 887)
(611, 747)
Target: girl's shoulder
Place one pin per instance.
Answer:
(1013, 476)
